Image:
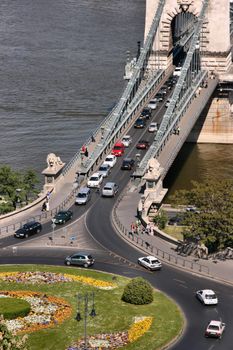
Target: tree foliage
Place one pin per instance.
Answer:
(212, 223)
(16, 187)
(161, 219)
(138, 292)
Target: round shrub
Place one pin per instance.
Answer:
(12, 308)
(138, 292)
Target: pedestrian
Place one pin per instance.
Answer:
(178, 131)
(132, 227)
(47, 205)
(83, 149)
(92, 139)
(48, 195)
(86, 152)
(43, 206)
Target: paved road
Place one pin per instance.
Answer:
(114, 255)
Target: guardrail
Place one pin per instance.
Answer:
(42, 218)
(150, 249)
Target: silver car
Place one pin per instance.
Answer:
(110, 189)
(104, 169)
(80, 259)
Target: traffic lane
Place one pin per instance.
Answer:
(78, 212)
(179, 285)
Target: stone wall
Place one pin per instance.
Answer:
(215, 124)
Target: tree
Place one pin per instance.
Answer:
(161, 219)
(212, 223)
(16, 187)
(29, 181)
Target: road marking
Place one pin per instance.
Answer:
(211, 347)
(179, 281)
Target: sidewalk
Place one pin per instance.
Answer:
(125, 214)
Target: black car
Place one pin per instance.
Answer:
(62, 216)
(28, 229)
(140, 123)
(176, 220)
(127, 164)
(159, 96)
(146, 112)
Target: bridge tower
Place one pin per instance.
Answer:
(215, 37)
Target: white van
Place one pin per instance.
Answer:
(83, 196)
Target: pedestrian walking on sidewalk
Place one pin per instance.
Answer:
(132, 227)
(43, 207)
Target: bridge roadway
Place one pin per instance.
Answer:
(114, 255)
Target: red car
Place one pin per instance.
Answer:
(118, 149)
(142, 144)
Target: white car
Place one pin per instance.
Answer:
(215, 329)
(150, 262)
(177, 71)
(110, 189)
(127, 140)
(104, 169)
(167, 102)
(95, 180)
(111, 160)
(207, 297)
(153, 127)
(152, 104)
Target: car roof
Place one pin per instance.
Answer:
(150, 257)
(208, 291)
(80, 253)
(110, 156)
(127, 159)
(95, 174)
(84, 190)
(126, 136)
(215, 323)
(153, 123)
(109, 184)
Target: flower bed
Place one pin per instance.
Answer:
(116, 340)
(46, 311)
(51, 277)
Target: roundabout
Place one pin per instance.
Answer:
(52, 293)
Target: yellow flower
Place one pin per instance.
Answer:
(93, 282)
(139, 328)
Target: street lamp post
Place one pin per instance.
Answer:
(53, 227)
(87, 298)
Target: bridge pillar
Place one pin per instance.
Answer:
(215, 36)
(154, 191)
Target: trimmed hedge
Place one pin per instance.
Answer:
(12, 308)
(138, 292)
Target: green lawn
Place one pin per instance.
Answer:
(174, 231)
(113, 315)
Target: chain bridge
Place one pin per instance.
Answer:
(196, 35)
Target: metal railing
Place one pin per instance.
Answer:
(151, 249)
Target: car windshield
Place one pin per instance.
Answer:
(125, 138)
(109, 159)
(154, 261)
(108, 188)
(103, 168)
(81, 195)
(213, 327)
(211, 296)
(94, 178)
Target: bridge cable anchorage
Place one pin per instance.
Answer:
(112, 125)
(186, 87)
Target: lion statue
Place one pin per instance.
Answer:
(53, 161)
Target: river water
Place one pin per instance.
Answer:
(61, 69)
